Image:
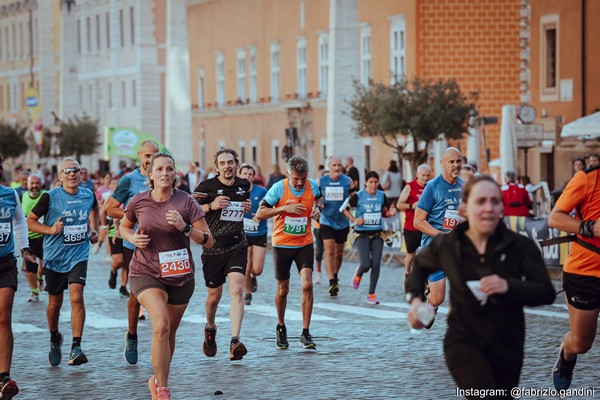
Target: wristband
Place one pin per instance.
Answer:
(209, 207)
(205, 238)
(410, 206)
(586, 229)
(24, 249)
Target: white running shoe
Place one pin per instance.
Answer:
(317, 277)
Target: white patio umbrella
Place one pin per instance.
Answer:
(584, 128)
(508, 140)
(474, 147)
(439, 146)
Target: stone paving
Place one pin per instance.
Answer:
(364, 352)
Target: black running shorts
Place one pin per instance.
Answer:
(284, 257)
(58, 282)
(582, 291)
(216, 267)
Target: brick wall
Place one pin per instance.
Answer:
(477, 43)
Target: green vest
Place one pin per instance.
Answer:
(28, 203)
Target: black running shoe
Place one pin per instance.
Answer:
(112, 281)
(237, 351)
(307, 342)
(123, 292)
(8, 389)
(282, 341)
(334, 288)
(209, 347)
(248, 299)
(253, 284)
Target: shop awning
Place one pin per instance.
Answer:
(585, 128)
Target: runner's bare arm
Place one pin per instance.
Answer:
(420, 222)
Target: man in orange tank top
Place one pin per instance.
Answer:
(291, 202)
(581, 271)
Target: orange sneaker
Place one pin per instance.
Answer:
(356, 279)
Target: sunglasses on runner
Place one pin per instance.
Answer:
(67, 171)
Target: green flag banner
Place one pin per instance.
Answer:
(125, 142)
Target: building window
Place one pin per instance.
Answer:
(1, 98)
(253, 144)
(367, 157)
(79, 36)
(110, 98)
(14, 41)
(123, 94)
(80, 98)
(242, 152)
(35, 36)
(275, 152)
(91, 99)
(220, 79)
(133, 93)
(398, 49)
(301, 60)
(323, 63)
(88, 32)
(549, 57)
(275, 71)
(365, 55)
(201, 88)
(108, 30)
(121, 28)
(98, 35)
(7, 42)
(241, 76)
(253, 76)
(21, 41)
(132, 22)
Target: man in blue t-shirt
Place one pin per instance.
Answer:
(67, 211)
(129, 186)
(335, 188)
(437, 213)
(256, 234)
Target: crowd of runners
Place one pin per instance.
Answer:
(146, 220)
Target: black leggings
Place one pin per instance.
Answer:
(369, 251)
(472, 367)
(319, 242)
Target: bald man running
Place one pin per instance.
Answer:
(437, 214)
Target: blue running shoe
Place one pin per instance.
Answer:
(55, 354)
(131, 352)
(77, 357)
(562, 373)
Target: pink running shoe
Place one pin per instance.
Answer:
(372, 299)
(152, 386)
(356, 279)
(163, 393)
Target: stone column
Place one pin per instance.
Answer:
(178, 108)
(343, 69)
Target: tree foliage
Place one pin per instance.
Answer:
(12, 142)
(79, 136)
(409, 116)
